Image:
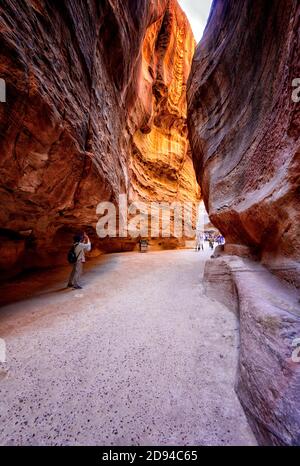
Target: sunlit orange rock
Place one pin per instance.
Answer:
(160, 161)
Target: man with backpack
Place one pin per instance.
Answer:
(76, 257)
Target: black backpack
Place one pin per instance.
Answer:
(72, 258)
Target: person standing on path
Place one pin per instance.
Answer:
(199, 241)
(81, 244)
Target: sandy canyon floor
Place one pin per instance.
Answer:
(140, 356)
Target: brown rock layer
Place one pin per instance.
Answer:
(244, 132)
(268, 380)
(95, 93)
(244, 127)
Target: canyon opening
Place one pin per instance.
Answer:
(150, 242)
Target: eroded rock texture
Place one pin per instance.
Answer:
(268, 379)
(160, 161)
(95, 95)
(244, 127)
(244, 132)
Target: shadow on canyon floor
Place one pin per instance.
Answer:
(44, 282)
(140, 356)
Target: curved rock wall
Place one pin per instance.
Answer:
(244, 127)
(161, 166)
(73, 129)
(244, 131)
(268, 377)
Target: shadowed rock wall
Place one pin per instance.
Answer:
(245, 136)
(245, 127)
(95, 93)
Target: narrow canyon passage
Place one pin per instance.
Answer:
(139, 356)
(124, 123)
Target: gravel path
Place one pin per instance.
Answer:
(138, 357)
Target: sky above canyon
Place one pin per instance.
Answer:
(197, 12)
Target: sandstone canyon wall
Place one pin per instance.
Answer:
(245, 135)
(95, 107)
(244, 127)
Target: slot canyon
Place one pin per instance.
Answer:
(107, 98)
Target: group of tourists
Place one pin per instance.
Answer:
(211, 238)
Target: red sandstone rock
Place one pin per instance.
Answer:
(268, 380)
(244, 132)
(95, 93)
(245, 127)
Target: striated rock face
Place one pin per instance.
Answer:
(161, 165)
(95, 95)
(245, 135)
(268, 380)
(245, 127)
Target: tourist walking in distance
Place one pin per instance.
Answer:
(199, 241)
(76, 257)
